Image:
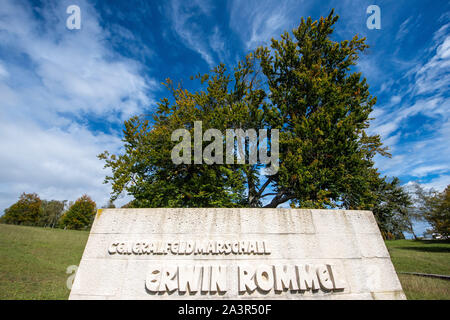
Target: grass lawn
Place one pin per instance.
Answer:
(422, 256)
(33, 263)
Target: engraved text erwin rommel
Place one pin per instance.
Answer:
(264, 278)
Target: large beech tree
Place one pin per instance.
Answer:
(305, 86)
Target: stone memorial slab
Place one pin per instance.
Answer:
(235, 254)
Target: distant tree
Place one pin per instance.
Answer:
(110, 204)
(128, 205)
(393, 209)
(80, 214)
(26, 211)
(435, 208)
(51, 212)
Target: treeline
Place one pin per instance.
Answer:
(396, 210)
(398, 207)
(30, 210)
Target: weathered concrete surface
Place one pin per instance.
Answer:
(343, 250)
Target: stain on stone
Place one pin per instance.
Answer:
(99, 213)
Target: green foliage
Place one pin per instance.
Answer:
(305, 87)
(80, 214)
(30, 210)
(26, 211)
(393, 209)
(146, 170)
(51, 211)
(322, 110)
(435, 208)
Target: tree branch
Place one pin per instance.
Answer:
(263, 187)
(268, 194)
(279, 199)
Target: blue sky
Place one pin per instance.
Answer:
(64, 94)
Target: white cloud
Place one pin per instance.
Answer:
(427, 96)
(438, 184)
(3, 72)
(257, 21)
(425, 170)
(217, 44)
(434, 76)
(396, 99)
(388, 122)
(403, 30)
(76, 68)
(420, 158)
(184, 16)
(56, 81)
(55, 163)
